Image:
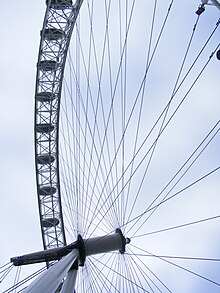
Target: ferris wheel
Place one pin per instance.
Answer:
(127, 120)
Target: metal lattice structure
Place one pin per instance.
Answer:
(55, 37)
(93, 149)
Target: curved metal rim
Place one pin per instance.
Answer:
(49, 79)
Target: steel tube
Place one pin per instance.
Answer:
(51, 279)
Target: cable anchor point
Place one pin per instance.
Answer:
(201, 7)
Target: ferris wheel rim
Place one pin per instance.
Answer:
(52, 157)
(49, 155)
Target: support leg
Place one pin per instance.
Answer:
(50, 280)
(70, 281)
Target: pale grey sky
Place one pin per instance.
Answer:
(20, 24)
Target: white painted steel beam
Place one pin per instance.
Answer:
(70, 282)
(51, 279)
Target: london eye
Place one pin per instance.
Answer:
(126, 136)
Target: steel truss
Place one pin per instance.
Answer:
(59, 21)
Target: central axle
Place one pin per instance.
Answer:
(86, 247)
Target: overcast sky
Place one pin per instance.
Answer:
(20, 23)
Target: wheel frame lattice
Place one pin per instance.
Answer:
(58, 25)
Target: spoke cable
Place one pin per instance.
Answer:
(184, 173)
(148, 269)
(174, 195)
(178, 226)
(178, 266)
(165, 115)
(141, 146)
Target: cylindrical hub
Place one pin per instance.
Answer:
(85, 247)
(103, 244)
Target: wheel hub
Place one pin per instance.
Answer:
(86, 247)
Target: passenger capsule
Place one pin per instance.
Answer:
(45, 97)
(47, 65)
(50, 222)
(45, 159)
(52, 34)
(44, 128)
(218, 54)
(47, 190)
